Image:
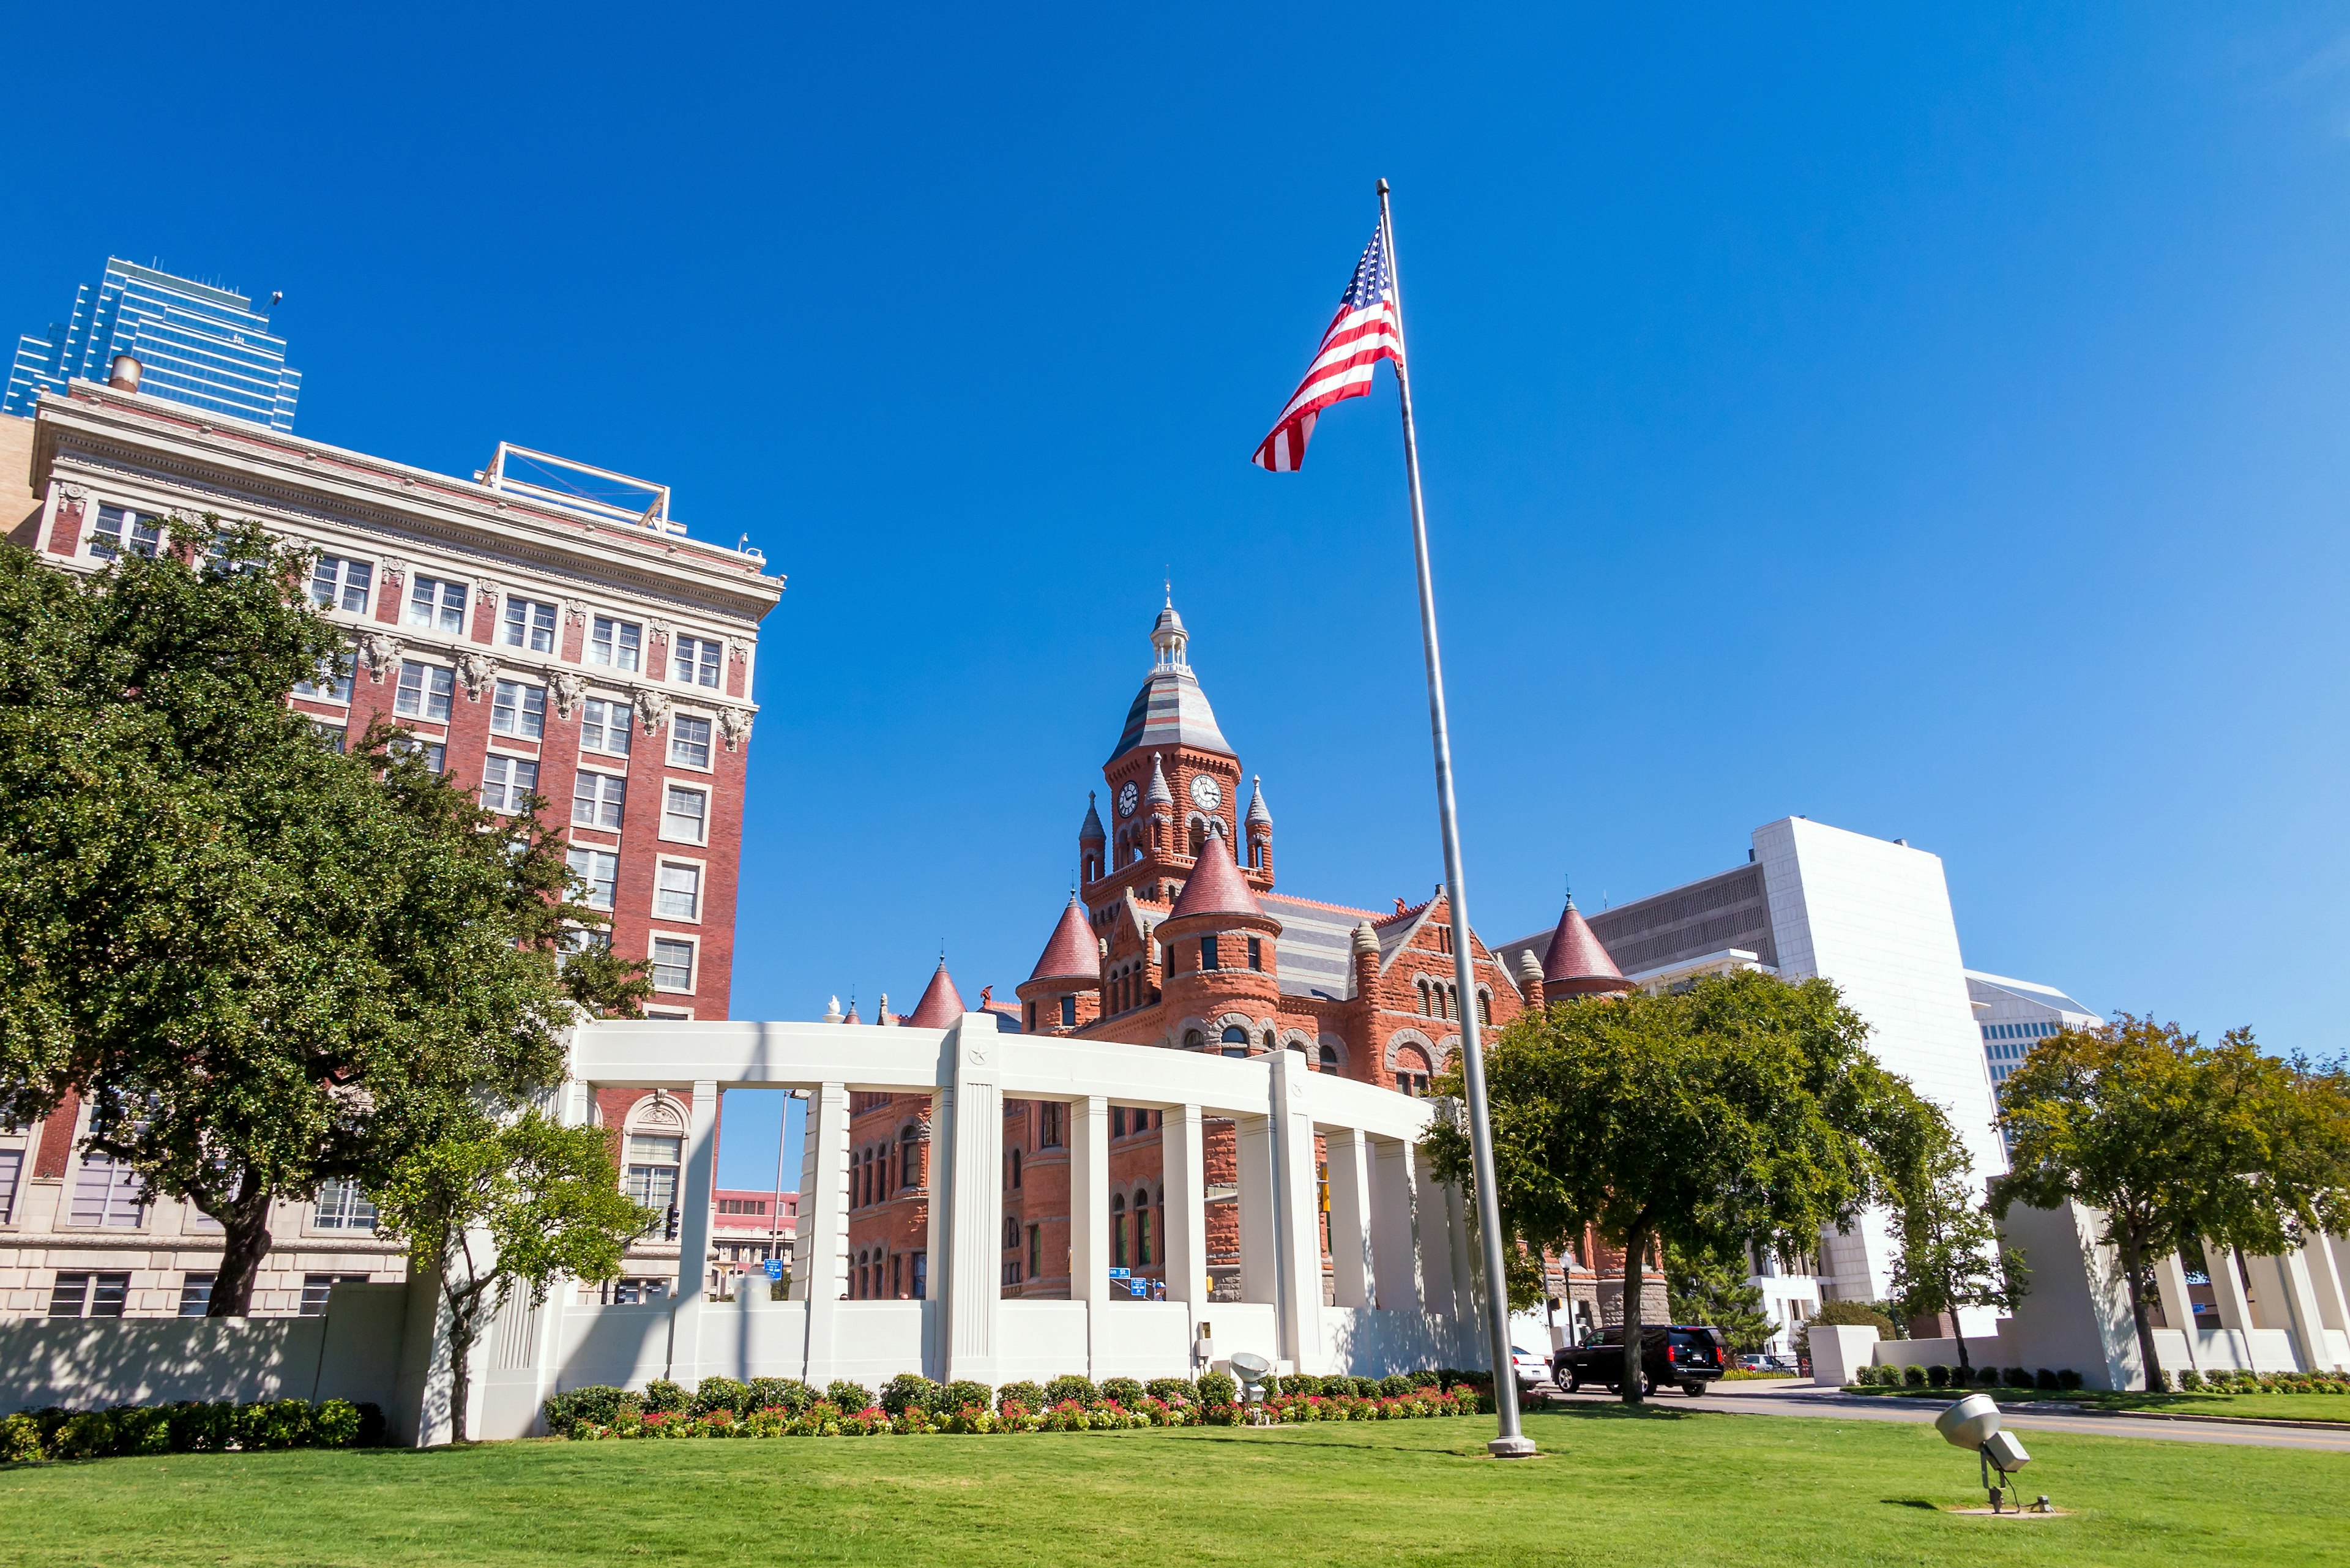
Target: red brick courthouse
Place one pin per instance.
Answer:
(1177, 939)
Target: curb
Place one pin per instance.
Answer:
(2059, 1408)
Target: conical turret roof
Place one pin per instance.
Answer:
(1090, 831)
(1071, 954)
(1159, 793)
(1577, 964)
(1170, 709)
(941, 1005)
(1215, 885)
(1256, 811)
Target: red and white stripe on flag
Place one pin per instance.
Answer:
(1367, 329)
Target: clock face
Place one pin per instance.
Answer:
(1126, 798)
(1206, 792)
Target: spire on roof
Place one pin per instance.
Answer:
(1090, 832)
(1577, 964)
(1215, 885)
(1366, 941)
(1071, 954)
(1167, 633)
(1170, 709)
(942, 1003)
(1256, 811)
(852, 1017)
(832, 1010)
(1159, 795)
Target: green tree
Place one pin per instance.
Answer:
(1711, 1287)
(2175, 1142)
(1740, 1111)
(265, 964)
(492, 1210)
(1951, 1256)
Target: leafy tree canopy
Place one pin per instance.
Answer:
(2175, 1142)
(1951, 1255)
(1743, 1110)
(1711, 1288)
(264, 962)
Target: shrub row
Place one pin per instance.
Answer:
(1915, 1376)
(2238, 1382)
(782, 1406)
(189, 1426)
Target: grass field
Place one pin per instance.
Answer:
(2285, 1406)
(1670, 1486)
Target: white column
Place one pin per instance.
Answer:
(2308, 1325)
(572, 1104)
(2177, 1306)
(1352, 1261)
(2228, 1291)
(967, 1182)
(2326, 1276)
(1297, 1233)
(1089, 1220)
(694, 1234)
(1432, 1229)
(1184, 1153)
(1253, 1202)
(1396, 1253)
(820, 1249)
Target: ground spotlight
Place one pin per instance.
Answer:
(1973, 1423)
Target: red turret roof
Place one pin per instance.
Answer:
(1215, 885)
(1071, 954)
(941, 1005)
(1577, 964)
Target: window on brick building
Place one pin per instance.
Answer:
(88, 1295)
(337, 582)
(910, 1157)
(341, 1206)
(436, 604)
(424, 690)
(1035, 1250)
(1484, 1007)
(650, 1179)
(689, 741)
(1016, 1167)
(519, 709)
(693, 660)
(1411, 1070)
(119, 529)
(196, 1295)
(604, 726)
(672, 965)
(598, 800)
(1068, 1012)
(619, 643)
(506, 782)
(1329, 1058)
(677, 894)
(600, 870)
(1118, 1121)
(1049, 1124)
(332, 683)
(107, 1195)
(432, 754)
(1235, 1040)
(530, 623)
(1208, 954)
(685, 815)
(1117, 1231)
(1141, 1231)
(921, 1276)
(1256, 953)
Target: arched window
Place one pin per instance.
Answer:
(1141, 1229)
(1411, 1070)
(1484, 1005)
(1199, 841)
(1329, 1058)
(1419, 989)
(1236, 1039)
(656, 1151)
(1194, 1040)
(1118, 1232)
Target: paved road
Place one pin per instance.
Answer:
(1774, 1399)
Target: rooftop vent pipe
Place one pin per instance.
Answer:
(124, 377)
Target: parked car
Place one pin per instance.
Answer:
(1684, 1355)
(1531, 1368)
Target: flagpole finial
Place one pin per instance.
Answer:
(1383, 187)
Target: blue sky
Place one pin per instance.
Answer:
(1932, 425)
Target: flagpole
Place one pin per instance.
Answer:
(1512, 1443)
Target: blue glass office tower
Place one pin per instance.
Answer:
(195, 344)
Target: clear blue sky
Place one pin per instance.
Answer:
(1934, 426)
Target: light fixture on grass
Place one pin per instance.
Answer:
(1973, 1423)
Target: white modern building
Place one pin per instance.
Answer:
(1872, 915)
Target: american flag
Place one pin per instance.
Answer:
(1367, 329)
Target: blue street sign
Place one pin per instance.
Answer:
(774, 1268)
(1121, 1273)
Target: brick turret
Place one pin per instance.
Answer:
(1063, 993)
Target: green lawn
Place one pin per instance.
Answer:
(1614, 1488)
(2285, 1406)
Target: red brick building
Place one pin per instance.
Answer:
(602, 661)
(1176, 937)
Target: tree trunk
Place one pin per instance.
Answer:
(1636, 1248)
(464, 1307)
(244, 1243)
(2133, 1267)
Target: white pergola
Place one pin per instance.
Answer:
(1405, 1286)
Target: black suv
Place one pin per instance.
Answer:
(1687, 1356)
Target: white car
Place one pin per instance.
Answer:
(1529, 1367)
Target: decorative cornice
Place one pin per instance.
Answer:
(568, 688)
(734, 724)
(653, 708)
(476, 670)
(382, 651)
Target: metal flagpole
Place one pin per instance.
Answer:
(1512, 1443)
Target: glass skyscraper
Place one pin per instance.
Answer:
(195, 344)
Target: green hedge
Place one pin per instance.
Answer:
(188, 1426)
